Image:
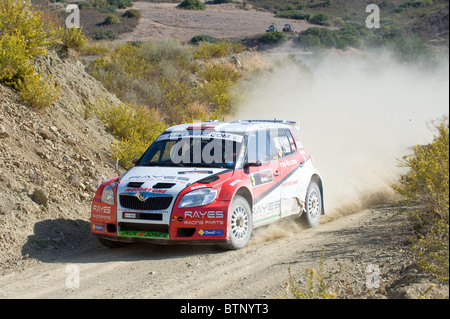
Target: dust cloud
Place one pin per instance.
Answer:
(359, 113)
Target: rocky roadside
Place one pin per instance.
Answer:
(52, 160)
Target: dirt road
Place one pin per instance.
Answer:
(352, 244)
(225, 21)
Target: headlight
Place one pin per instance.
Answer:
(198, 197)
(108, 195)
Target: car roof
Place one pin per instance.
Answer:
(239, 126)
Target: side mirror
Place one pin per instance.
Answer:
(252, 163)
(134, 161)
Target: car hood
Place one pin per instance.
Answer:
(162, 180)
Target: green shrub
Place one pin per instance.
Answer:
(100, 34)
(38, 90)
(19, 17)
(15, 63)
(164, 75)
(320, 19)
(204, 38)
(121, 4)
(192, 5)
(207, 50)
(293, 14)
(342, 38)
(426, 186)
(275, 37)
(135, 127)
(111, 19)
(132, 13)
(72, 37)
(24, 36)
(411, 4)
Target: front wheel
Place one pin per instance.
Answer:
(241, 223)
(313, 205)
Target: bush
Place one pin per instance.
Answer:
(426, 186)
(132, 13)
(320, 19)
(411, 4)
(164, 75)
(14, 60)
(275, 37)
(192, 5)
(342, 38)
(111, 19)
(204, 38)
(100, 34)
(121, 4)
(207, 50)
(135, 127)
(38, 90)
(24, 36)
(18, 17)
(293, 14)
(72, 37)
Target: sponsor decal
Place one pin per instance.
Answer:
(294, 182)
(129, 215)
(145, 190)
(204, 134)
(211, 232)
(203, 214)
(98, 227)
(265, 208)
(288, 163)
(196, 172)
(96, 216)
(261, 178)
(197, 187)
(143, 234)
(101, 209)
(161, 177)
(235, 182)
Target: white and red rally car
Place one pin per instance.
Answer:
(211, 182)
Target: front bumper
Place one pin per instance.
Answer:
(196, 225)
(162, 241)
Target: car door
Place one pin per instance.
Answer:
(291, 165)
(265, 179)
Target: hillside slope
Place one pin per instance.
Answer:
(52, 160)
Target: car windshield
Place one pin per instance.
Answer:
(193, 148)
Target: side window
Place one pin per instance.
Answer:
(286, 142)
(273, 147)
(260, 147)
(252, 147)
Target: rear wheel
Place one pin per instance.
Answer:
(241, 223)
(313, 205)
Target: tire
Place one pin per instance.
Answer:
(241, 223)
(111, 243)
(313, 205)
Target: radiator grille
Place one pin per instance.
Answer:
(151, 203)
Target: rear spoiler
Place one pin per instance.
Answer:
(291, 123)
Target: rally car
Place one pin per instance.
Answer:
(210, 183)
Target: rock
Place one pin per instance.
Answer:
(45, 134)
(3, 133)
(40, 197)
